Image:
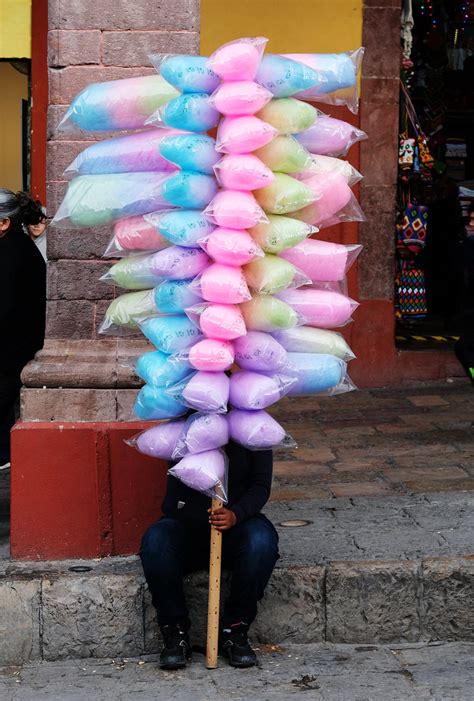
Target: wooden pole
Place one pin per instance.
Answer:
(214, 593)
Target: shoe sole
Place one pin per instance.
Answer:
(240, 665)
(174, 666)
(179, 665)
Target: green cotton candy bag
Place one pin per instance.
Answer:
(284, 154)
(267, 313)
(124, 311)
(272, 274)
(284, 195)
(289, 115)
(133, 273)
(280, 233)
(307, 339)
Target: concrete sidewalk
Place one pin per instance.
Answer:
(318, 672)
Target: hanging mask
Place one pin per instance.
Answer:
(406, 152)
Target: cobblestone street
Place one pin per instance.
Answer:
(407, 440)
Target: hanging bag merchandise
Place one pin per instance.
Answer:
(414, 156)
(412, 230)
(410, 291)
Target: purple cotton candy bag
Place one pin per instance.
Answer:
(159, 441)
(259, 351)
(178, 262)
(202, 432)
(206, 472)
(252, 390)
(205, 391)
(256, 430)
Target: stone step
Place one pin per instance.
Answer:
(400, 586)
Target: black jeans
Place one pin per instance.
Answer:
(10, 384)
(172, 548)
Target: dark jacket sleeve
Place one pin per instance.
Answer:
(23, 300)
(258, 492)
(8, 275)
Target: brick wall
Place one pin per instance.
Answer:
(91, 41)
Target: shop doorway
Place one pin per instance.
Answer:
(15, 87)
(435, 192)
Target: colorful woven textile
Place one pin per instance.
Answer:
(411, 232)
(410, 292)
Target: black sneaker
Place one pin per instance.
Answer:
(176, 647)
(236, 647)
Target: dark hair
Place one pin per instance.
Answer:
(20, 208)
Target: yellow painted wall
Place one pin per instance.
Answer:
(13, 88)
(15, 28)
(293, 26)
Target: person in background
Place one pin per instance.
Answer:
(178, 543)
(464, 347)
(22, 303)
(37, 232)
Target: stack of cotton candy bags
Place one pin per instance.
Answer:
(214, 240)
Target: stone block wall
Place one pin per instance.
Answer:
(373, 338)
(88, 42)
(379, 154)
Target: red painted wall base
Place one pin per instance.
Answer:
(75, 491)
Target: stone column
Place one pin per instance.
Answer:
(375, 341)
(91, 41)
(379, 154)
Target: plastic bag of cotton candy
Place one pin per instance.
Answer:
(213, 232)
